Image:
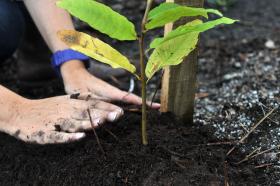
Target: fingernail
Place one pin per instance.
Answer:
(112, 116)
(96, 122)
(120, 111)
(80, 135)
(155, 105)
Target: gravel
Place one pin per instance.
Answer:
(240, 94)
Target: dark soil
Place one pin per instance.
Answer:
(176, 155)
(240, 75)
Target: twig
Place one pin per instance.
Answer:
(263, 165)
(249, 156)
(115, 80)
(95, 134)
(265, 151)
(110, 132)
(226, 173)
(252, 129)
(262, 105)
(172, 152)
(222, 143)
(217, 143)
(178, 162)
(258, 154)
(244, 127)
(133, 110)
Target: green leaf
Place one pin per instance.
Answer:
(188, 28)
(96, 49)
(171, 52)
(170, 12)
(101, 18)
(161, 8)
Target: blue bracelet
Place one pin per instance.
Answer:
(62, 56)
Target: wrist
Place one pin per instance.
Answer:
(71, 67)
(74, 58)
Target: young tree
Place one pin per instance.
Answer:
(167, 51)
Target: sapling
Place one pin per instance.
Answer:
(166, 51)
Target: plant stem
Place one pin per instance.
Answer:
(143, 76)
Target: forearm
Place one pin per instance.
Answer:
(50, 19)
(9, 104)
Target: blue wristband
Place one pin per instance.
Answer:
(62, 56)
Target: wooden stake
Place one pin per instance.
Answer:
(179, 82)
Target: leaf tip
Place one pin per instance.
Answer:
(230, 21)
(219, 13)
(236, 20)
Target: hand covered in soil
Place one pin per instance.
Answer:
(78, 80)
(59, 119)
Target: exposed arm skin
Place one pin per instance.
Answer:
(50, 19)
(53, 120)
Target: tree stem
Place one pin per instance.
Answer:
(143, 76)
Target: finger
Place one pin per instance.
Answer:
(87, 96)
(63, 137)
(114, 116)
(86, 126)
(67, 125)
(81, 120)
(42, 137)
(128, 98)
(100, 116)
(72, 125)
(101, 105)
(76, 125)
(133, 99)
(153, 105)
(81, 105)
(81, 115)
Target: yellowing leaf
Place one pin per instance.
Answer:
(101, 18)
(172, 52)
(96, 49)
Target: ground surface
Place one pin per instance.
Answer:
(239, 77)
(190, 162)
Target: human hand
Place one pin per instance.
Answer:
(78, 80)
(59, 119)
